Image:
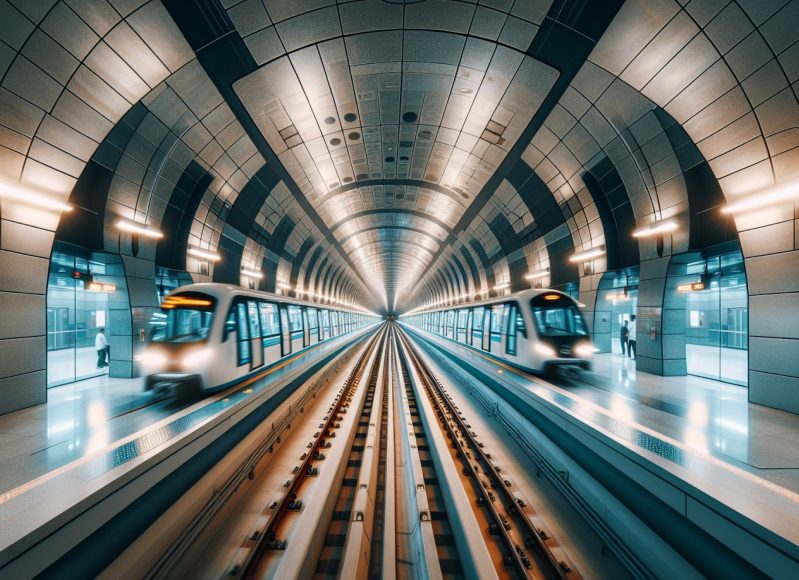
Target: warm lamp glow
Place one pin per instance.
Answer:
(204, 254)
(140, 229)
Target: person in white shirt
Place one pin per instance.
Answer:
(101, 345)
(631, 338)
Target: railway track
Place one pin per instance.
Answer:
(526, 550)
(270, 538)
(448, 558)
(357, 489)
(361, 454)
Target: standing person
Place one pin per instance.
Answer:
(631, 339)
(100, 344)
(624, 333)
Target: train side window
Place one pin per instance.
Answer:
(477, 319)
(326, 321)
(270, 323)
(243, 335)
(462, 314)
(255, 321)
(312, 319)
(230, 324)
(295, 318)
(520, 323)
(497, 318)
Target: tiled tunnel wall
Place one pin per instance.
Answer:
(726, 72)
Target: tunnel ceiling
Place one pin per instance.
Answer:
(395, 153)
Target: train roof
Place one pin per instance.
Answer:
(520, 296)
(219, 291)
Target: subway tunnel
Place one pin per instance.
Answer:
(390, 162)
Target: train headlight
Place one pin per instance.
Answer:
(152, 361)
(195, 358)
(585, 350)
(545, 351)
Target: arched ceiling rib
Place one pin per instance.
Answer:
(425, 148)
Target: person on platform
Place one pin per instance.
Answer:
(631, 339)
(100, 344)
(624, 333)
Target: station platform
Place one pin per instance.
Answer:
(104, 441)
(707, 416)
(694, 445)
(78, 419)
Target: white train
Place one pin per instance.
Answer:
(210, 336)
(534, 330)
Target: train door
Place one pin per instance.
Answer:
(510, 329)
(486, 329)
(295, 326)
(498, 314)
(451, 324)
(313, 326)
(244, 347)
(270, 331)
(324, 324)
(460, 325)
(256, 343)
(285, 331)
(306, 328)
(475, 337)
(470, 325)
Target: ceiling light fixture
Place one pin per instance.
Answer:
(204, 254)
(138, 228)
(655, 228)
(28, 197)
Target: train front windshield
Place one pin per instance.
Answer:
(556, 315)
(184, 318)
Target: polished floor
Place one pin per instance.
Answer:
(708, 416)
(78, 419)
(91, 417)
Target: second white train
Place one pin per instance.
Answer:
(534, 330)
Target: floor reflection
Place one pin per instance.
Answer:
(708, 416)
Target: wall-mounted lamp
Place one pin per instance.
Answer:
(257, 274)
(25, 196)
(775, 194)
(537, 274)
(501, 286)
(655, 228)
(283, 286)
(137, 228)
(587, 254)
(204, 254)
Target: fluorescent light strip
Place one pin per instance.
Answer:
(587, 255)
(283, 286)
(28, 197)
(537, 274)
(655, 229)
(501, 286)
(776, 194)
(257, 274)
(205, 254)
(137, 228)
